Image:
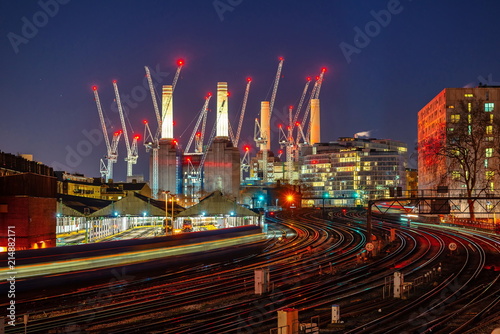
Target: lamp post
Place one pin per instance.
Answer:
(166, 212)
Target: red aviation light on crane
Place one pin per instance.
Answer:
(94, 87)
(180, 62)
(145, 121)
(117, 133)
(175, 142)
(137, 137)
(188, 158)
(308, 78)
(246, 148)
(281, 58)
(297, 123)
(249, 79)
(280, 152)
(280, 126)
(114, 81)
(323, 69)
(208, 95)
(198, 134)
(317, 77)
(228, 94)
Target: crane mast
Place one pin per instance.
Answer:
(112, 154)
(242, 114)
(302, 98)
(202, 116)
(132, 155)
(316, 96)
(260, 139)
(275, 88)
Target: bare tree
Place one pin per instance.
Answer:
(467, 146)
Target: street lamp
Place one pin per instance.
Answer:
(166, 212)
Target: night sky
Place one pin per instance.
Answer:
(375, 82)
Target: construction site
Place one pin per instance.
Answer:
(213, 158)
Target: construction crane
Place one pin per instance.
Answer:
(302, 98)
(198, 133)
(132, 153)
(275, 88)
(106, 170)
(245, 162)
(242, 113)
(260, 139)
(314, 95)
(286, 140)
(261, 135)
(152, 142)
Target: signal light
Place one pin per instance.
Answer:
(209, 94)
(180, 62)
(94, 87)
(137, 137)
(280, 152)
(249, 79)
(308, 78)
(246, 148)
(198, 134)
(228, 94)
(297, 123)
(281, 58)
(323, 69)
(289, 198)
(317, 77)
(280, 126)
(145, 121)
(114, 81)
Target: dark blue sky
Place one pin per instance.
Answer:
(47, 103)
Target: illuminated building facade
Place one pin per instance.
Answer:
(351, 171)
(27, 203)
(436, 118)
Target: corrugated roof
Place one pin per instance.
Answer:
(216, 204)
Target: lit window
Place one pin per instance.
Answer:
(485, 163)
(455, 175)
(469, 95)
(489, 174)
(492, 186)
(489, 152)
(469, 106)
(455, 118)
(489, 129)
(489, 106)
(491, 118)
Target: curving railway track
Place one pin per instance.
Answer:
(313, 263)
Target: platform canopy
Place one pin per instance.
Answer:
(216, 204)
(136, 205)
